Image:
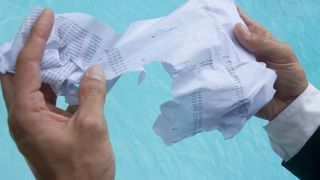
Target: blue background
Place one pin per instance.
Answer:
(131, 109)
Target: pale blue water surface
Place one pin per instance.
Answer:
(132, 109)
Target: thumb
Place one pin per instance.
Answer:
(253, 42)
(92, 92)
(244, 37)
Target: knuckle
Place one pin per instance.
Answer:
(264, 45)
(287, 52)
(32, 51)
(93, 88)
(38, 34)
(33, 102)
(255, 28)
(23, 108)
(260, 38)
(25, 55)
(37, 98)
(90, 124)
(287, 47)
(247, 38)
(15, 125)
(11, 121)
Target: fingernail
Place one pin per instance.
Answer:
(245, 31)
(47, 11)
(97, 73)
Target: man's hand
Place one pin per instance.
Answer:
(277, 55)
(57, 144)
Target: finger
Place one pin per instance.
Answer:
(92, 94)
(27, 77)
(244, 37)
(256, 43)
(247, 20)
(7, 88)
(48, 94)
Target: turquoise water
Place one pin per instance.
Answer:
(132, 109)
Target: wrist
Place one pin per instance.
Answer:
(78, 173)
(88, 168)
(278, 104)
(283, 104)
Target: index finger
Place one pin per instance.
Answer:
(7, 88)
(27, 76)
(247, 20)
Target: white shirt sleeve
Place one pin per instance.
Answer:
(294, 126)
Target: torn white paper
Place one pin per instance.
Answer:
(216, 84)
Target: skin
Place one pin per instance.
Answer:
(74, 144)
(57, 144)
(279, 56)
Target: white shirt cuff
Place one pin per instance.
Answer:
(294, 126)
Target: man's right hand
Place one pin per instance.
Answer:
(279, 56)
(57, 144)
